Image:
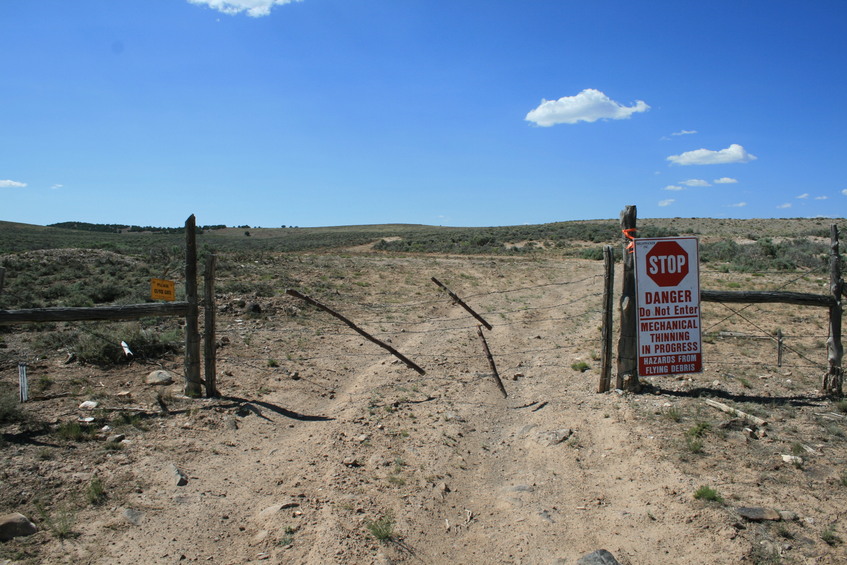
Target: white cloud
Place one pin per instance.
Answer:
(724, 180)
(803, 196)
(821, 197)
(694, 182)
(589, 105)
(844, 192)
(11, 184)
(56, 186)
(666, 202)
(737, 205)
(254, 8)
(674, 187)
(784, 206)
(732, 154)
(685, 132)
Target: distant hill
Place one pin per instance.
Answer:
(568, 237)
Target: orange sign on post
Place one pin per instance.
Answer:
(161, 289)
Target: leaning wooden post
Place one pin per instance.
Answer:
(409, 363)
(627, 361)
(491, 364)
(608, 299)
(834, 378)
(209, 334)
(462, 303)
(192, 322)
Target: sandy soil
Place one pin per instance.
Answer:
(321, 436)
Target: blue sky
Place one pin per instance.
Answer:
(461, 112)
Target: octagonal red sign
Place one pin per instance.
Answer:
(667, 263)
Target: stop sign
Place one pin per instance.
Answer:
(667, 263)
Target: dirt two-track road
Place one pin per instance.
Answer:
(323, 442)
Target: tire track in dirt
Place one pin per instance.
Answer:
(464, 475)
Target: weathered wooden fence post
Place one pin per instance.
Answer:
(780, 345)
(462, 303)
(409, 363)
(627, 378)
(491, 364)
(608, 300)
(192, 322)
(833, 380)
(209, 334)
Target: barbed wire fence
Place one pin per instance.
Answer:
(390, 316)
(770, 353)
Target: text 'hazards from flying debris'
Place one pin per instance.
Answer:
(667, 281)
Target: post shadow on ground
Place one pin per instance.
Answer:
(250, 405)
(705, 392)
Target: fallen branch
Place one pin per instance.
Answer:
(730, 410)
(363, 333)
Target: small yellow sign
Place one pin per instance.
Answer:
(161, 289)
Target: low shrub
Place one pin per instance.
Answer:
(382, 529)
(708, 494)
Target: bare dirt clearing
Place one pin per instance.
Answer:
(323, 442)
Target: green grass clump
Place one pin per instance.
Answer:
(95, 492)
(382, 529)
(581, 366)
(10, 407)
(61, 523)
(673, 414)
(693, 445)
(698, 430)
(708, 494)
(43, 383)
(101, 344)
(128, 419)
(73, 431)
(694, 437)
(396, 480)
(829, 536)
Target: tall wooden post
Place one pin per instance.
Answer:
(833, 380)
(209, 334)
(627, 359)
(608, 300)
(192, 323)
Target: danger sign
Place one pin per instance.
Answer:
(667, 281)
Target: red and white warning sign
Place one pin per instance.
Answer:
(667, 281)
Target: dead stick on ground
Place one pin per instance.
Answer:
(461, 303)
(730, 410)
(491, 362)
(363, 333)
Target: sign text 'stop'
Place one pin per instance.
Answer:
(667, 263)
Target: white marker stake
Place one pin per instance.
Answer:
(23, 382)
